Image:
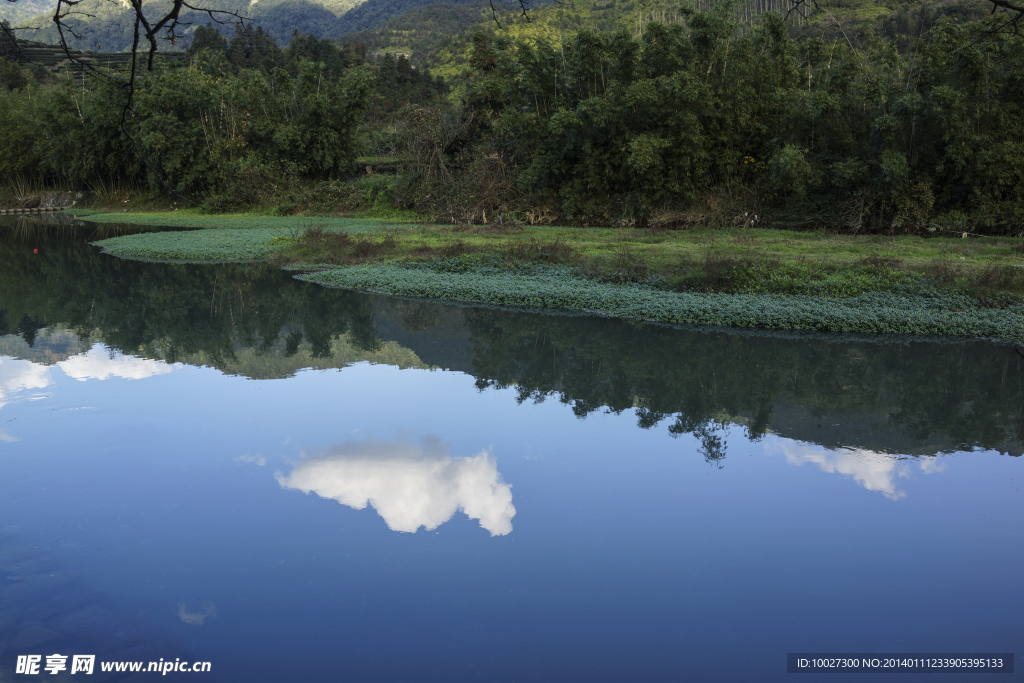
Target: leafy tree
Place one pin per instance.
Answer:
(696, 123)
(254, 49)
(12, 76)
(207, 38)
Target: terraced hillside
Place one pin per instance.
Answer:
(53, 57)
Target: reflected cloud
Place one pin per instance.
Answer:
(874, 471)
(100, 363)
(18, 375)
(196, 618)
(258, 460)
(410, 485)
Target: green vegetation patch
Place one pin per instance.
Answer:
(197, 246)
(758, 279)
(914, 307)
(189, 219)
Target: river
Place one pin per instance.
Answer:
(219, 463)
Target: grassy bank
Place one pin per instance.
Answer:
(742, 277)
(195, 219)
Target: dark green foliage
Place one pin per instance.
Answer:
(8, 46)
(12, 76)
(207, 38)
(693, 124)
(400, 83)
(335, 60)
(199, 130)
(19, 123)
(253, 48)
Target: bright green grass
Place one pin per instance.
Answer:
(188, 219)
(384, 213)
(660, 249)
(914, 307)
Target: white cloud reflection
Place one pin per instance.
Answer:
(208, 611)
(18, 375)
(409, 485)
(100, 363)
(872, 470)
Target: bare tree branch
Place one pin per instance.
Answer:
(168, 27)
(494, 13)
(1016, 9)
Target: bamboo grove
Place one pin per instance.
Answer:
(711, 118)
(694, 123)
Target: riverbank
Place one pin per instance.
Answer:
(739, 277)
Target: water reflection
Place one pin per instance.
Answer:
(18, 375)
(46, 605)
(99, 362)
(102, 363)
(196, 618)
(874, 471)
(870, 393)
(410, 485)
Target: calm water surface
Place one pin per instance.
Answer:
(220, 463)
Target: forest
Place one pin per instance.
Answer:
(693, 118)
(693, 124)
(238, 119)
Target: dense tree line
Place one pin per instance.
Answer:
(237, 118)
(399, 83)
(255, 49)
(693, 123)
(240, 122)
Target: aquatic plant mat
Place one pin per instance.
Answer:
(912, 308)
(738, 277)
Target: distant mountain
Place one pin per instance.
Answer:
(16, 12)
(422, 31)
(107, 26)
(437, 33)
(374, 13)
(283, 18)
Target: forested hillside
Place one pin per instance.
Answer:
(422, 27)
(16, 12)
(911, 122)
(857, 115)
(104, 26)
(440, 36)
(423, 32)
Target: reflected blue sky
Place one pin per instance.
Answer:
(546, 547)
